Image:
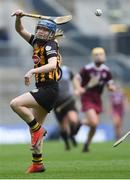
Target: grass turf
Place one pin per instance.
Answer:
(102, 162)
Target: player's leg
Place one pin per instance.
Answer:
(92, 120)
(37, 157)
(22, 106)
(74, 123)
(117, 119)
(73, 118)
(64, 125)
(65, 132)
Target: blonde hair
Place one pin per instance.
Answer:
(98, 50)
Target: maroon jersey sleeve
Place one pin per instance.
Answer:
(109, 77)
(85, 77)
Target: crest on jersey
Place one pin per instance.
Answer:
(48, 48)
(36, 59)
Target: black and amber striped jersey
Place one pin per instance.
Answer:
(41, 54)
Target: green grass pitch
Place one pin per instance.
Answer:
(102, 162)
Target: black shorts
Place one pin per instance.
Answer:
(63, 112)
(46, 94)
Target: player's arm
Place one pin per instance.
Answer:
(80, 79)
(111, 85)
(71, 78)
(77, 84)
(51, 50)
(71, 75)
(110, 82)
(19, 27)
(77, 81)
(52, 63)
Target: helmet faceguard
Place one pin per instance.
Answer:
(99, 56)
(47, 25)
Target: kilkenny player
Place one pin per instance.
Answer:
(90, 83)
(33, 106)
(65, 109)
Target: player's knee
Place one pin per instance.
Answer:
(73, 116)
(14, 104)
(64, 125)
(94, 124)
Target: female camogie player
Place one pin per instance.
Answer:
(33, 106)
(119, 104)
(89, 84)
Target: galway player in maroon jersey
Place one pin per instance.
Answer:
(90, 83)
(119, 104)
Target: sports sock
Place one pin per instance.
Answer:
(34, 125)
(65, 138)
(74, 128)
(37, 159)
(85, 147)
(72, 138)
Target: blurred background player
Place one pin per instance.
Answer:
(65, 108)
(89, 84)
(119, 104)
(33, 106)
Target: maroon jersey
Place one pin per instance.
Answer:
(94, 78)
